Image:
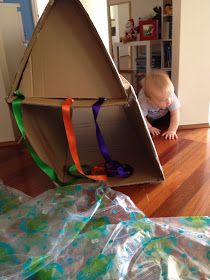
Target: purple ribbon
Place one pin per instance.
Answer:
(112, 167)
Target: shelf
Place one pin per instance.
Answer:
(134, 45)
(142, 53)
(166, 31)
(166, 69)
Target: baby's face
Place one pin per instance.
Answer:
(161, 101)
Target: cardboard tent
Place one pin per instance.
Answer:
(66, 58)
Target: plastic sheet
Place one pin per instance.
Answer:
(92, 232)
(10, 198)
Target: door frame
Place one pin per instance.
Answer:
(34, 11)
(109, 4)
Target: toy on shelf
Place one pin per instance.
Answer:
(157, 16)
(157, 11)
(168, 10)
(130, 32)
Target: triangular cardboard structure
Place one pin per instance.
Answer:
(66, 58)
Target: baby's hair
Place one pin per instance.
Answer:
(157, 81)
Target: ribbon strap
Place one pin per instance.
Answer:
(112, 167)
(17, 111)
(72, 140)
(102, 145)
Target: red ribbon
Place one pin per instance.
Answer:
(72, 140)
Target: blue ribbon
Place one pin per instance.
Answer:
(112, 167)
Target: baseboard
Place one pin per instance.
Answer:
(125, 55)
(126, 71)
(11, 143)
(193, 126)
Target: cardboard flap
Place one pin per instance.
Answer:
(58, 102)
(66, 57)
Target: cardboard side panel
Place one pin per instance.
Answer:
(68, 58)
(26, 84)
(45, 132)
(126, 144)
(138, 125)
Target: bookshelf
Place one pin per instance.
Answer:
(154, 57)
(134, 46)
(166, 36)
(151, 54)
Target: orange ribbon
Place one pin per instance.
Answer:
(72, 140)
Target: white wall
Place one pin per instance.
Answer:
(123, 12)
(41, 4)
(191, 59)
(114, 15)
(6, 128)
(11, 52)
(12, 36)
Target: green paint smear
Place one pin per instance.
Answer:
(196, 222)
(51, 272)
(96, 267)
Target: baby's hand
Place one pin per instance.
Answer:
(170, 135)
(154, 131)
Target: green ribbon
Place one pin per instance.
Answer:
(72, 170)
(17, 111)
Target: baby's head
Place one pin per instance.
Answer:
(158, 88)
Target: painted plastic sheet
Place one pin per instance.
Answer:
(92, 232)
(10, 198)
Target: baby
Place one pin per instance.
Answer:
(156, 99)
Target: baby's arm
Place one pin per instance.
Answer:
(153, 130)
(174, 123)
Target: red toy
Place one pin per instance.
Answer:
(130, 32)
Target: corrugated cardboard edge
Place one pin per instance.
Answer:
(35, 34)
(55, 102)
(151, 143)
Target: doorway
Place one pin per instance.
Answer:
(118, 15)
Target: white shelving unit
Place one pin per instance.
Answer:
(166, 39)
(148, 51)
(133, 45)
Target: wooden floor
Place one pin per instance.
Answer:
(186, 164)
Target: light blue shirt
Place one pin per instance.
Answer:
(154, 112)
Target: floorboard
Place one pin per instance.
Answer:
(186, 165)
